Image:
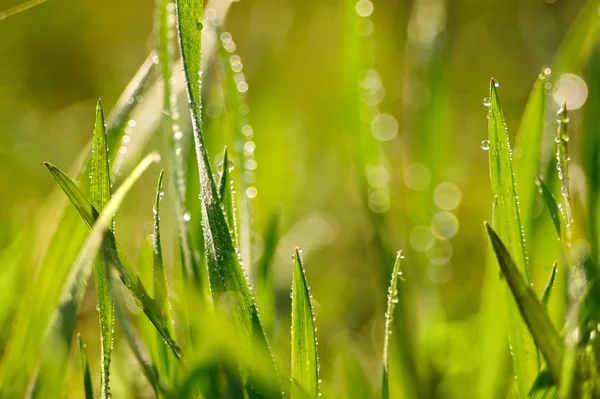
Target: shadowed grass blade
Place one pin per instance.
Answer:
(552, 206)
(543, 387)
(117, 257)
(228, 283)
(161, 291)
(305, 360)
(531, 309)
(100, 194)
(507, 223)
(392, 300)
(85, 368)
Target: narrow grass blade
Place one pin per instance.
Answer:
(552, 206)
(305, 360)
(529, 144)
(392, 300)
(100, 194)
(507, 223)
(562, 165)
(118, 257)
(20, 8)
(228, 283)
(531, 309)
(265, 292)
(227, 198)
(545, 297)
(161, 291)
(85, 368)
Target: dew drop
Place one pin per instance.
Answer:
(485, 145)
(487, 102)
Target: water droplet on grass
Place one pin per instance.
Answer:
(485, 145)
(487, 102)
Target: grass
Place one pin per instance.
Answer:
(183, 319)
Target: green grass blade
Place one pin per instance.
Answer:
(552, 206)
(543, 387)
(265, 292)
(118, 257)
(392, 299)
(161, 291)
(227, 198)
(545, 297)
(20, 8)
(507, 223)
(100, 194)
(228, 283)
(85, 368)
(305, 360)
(529, 144)
(531, 309)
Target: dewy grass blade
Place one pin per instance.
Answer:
(227, 198)
(529, 143)
(228, 283)
(118, 257)
(161, 292)
(532, 311)
(85, 368)
(507, 224)
(392, 300)
(305, 360)
(100, 193)
(552, 206)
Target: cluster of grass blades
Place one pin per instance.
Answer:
(195, 330)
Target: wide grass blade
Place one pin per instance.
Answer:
(161, 291)
(117, 257)
(100, 193)
(531, 309)
(85, 368)
(392, 300)
(228, 284)
(305, 360)
(507, 224)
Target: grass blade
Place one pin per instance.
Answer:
(227, 198)
(100, 194)
(543, 387)
(552, 206)
(545, 297)
(20, 8)
(392, 299)
(228, 283)
(117, 257)
(305, 360)
(507, 223)
(85, 367)
(161, 292)
(531, 309)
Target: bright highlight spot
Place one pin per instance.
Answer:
(572, 89)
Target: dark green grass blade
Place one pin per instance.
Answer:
(100, 195)
(305, 361)
(545, 297)
(85, 368)
(392, 299)
(543, 387)
(531, 309)
(161, 291)
(227, 280)
(552, 206)
(227, 198)
(507, 224)
(117, 257)
(529, 143)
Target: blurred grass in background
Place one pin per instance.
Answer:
(422, 68)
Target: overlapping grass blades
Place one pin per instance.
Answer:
(531, 309)
(228, 284)
(85, 369)
(392, 300)
(100, 193)
(508, 226)
(305, 360)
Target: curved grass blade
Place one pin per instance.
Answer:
(507, 223)
(392, 300)
(100, 194)
(85, 368)
(228, 283)
(305, 360)
(161, 291)
(531, 309)
(118, 257)
(545, 297)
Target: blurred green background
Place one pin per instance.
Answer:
(424, 65)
